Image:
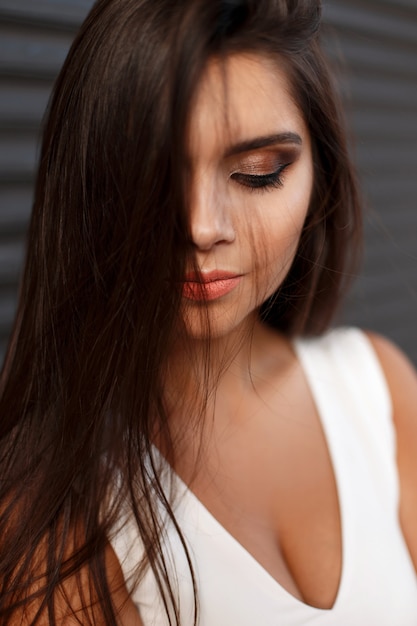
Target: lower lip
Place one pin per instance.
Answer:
(212, 290)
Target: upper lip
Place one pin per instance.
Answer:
(209, 277)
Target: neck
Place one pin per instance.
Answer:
(211, 387)
(235, 363)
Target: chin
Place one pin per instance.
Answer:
(207, 323)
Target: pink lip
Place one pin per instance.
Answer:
(209, 285)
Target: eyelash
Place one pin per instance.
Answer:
(261, 182)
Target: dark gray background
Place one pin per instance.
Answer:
(374, 47)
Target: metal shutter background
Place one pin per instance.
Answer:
(374, 44)
(34, 40)
(378, 42)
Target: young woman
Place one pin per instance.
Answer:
(182, 440)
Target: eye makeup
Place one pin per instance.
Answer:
(261, 181)
(263, 170)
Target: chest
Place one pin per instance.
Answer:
(290, 524)
(268, 480)
(304, 487)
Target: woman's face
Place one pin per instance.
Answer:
(251, 173)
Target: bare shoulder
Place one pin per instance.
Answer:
(402, 381)
(127, 612)
(75, 605)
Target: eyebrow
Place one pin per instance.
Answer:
(263, 142)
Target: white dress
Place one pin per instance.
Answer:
(378, 585)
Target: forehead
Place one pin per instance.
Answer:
(241, 97)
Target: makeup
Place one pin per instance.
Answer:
(263, 169)
(209, 286)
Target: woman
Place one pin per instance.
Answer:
(174, 449)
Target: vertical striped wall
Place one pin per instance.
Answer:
(374, 45)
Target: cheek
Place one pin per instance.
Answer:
(282, 226)
(277, 237)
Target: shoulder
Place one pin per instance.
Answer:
(349, 355)
(74, 599)
(361, 348)
(401, 377)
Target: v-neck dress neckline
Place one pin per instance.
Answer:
(377, 585)
(333, 442)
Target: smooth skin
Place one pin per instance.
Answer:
(265, 445)
(247, 204)
(251, 174)
(68, 604)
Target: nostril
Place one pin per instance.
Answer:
(211, 231)
(206, 238)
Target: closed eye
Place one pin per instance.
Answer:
(271, 180)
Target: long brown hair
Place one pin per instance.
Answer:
(81, 394)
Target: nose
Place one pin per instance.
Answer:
(210, 217)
